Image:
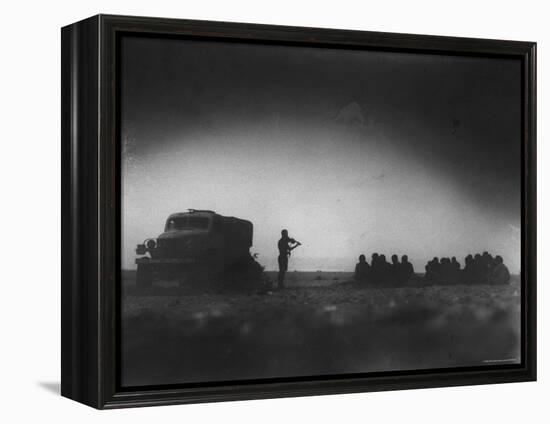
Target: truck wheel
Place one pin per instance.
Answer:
(144, 278)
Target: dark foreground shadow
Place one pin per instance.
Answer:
(51, 386)
(320, 330)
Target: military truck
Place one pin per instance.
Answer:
(196, 246)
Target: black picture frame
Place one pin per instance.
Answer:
(91, 211)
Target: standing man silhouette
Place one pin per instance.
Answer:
(285, 245)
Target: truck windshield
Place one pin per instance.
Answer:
(188, 223)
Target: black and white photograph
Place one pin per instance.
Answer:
(294, 211)
(274, 212)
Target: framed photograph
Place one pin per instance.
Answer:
(255, 211)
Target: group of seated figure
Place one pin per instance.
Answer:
(478, 269)
(379, 271)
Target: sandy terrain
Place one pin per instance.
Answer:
(319, 325)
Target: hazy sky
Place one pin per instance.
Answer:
(351, 151)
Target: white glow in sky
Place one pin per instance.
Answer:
(352, 151)
(341, 188)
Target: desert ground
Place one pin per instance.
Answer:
(321, 324)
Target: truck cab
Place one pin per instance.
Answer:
(197, 240)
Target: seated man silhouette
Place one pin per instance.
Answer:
(500, 273)
(445, 271)
(455, 263)
(467, 274)
(480, 275)
(374, 268)
(455, 276)
(451, 271)
(362, 270)
(385, 269)
(395, 269)
(407, 269)
(433, 270)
